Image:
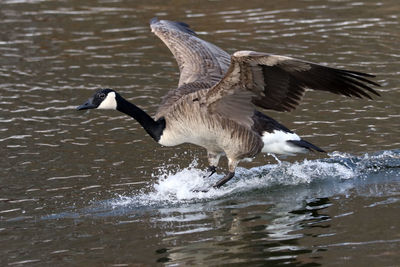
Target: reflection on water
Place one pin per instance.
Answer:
(92, 189)
(258, 218)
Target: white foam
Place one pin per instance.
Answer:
(179, 186)
(285, 185)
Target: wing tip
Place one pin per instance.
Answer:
(178, 25)
(184, 27)
(358, 78)
(154, 20)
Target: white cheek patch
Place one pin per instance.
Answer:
(109, 102)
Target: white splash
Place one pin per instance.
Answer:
(184, 186)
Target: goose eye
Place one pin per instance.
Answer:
(102, 95)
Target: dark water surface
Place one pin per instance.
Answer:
(91, 189)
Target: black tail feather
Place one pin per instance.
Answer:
(307, 145)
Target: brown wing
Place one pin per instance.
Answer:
(278, 83)
(198, 60)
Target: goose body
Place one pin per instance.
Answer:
(189, 123)
(215, 103)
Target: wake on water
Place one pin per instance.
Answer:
(178, 187)
(282, 184)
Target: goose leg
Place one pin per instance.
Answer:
(217, 184)
(211, 170)
(213, 159)
(232, 167)
(224, 180)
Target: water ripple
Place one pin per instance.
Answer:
(65, 171)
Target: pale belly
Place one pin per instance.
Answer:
(217, 137)
(220, 141)
(194, 133)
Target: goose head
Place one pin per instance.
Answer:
(102, 99)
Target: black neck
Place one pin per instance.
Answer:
(152, 127)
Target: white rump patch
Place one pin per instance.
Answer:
(276, 143)
(110, 102)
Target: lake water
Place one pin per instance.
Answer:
(92, 189)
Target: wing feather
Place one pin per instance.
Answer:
(278, 83)
(198, 60)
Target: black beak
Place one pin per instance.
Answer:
(87, 105)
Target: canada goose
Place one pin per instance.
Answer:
(214, 104)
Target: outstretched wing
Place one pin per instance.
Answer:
(198, 60)
(278, 83)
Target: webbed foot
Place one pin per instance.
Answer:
(211, 170)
